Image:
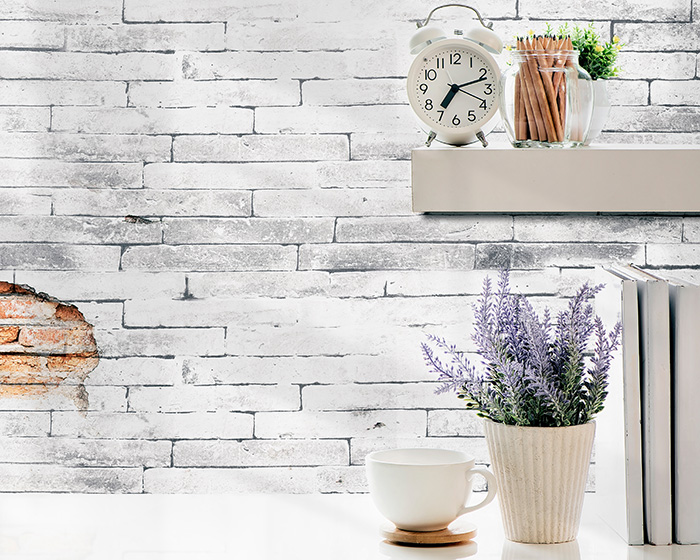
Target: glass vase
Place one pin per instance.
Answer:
(546, 99)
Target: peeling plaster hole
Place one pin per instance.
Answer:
(47, 348)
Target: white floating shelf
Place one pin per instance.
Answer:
(603, 178)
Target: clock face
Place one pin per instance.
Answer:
(454, 87)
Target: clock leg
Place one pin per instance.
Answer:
(431, 137)
(482, 138)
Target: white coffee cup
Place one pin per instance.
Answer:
(423, 489)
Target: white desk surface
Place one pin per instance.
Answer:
(265, 527)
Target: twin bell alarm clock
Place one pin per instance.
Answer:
(453, 83)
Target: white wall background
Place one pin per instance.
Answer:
(261, 332)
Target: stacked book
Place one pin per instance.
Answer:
(648, 454)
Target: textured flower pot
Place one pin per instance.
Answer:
(541, 475)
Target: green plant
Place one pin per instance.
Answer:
(596, 56)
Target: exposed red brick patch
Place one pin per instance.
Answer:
(8, 334)
(44, 343)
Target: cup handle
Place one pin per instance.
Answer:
(491, 481)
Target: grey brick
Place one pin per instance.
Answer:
(354, 396)
(285, 65)
(300, 313)
(160, 342)
(64, 398)
(294, 35)
(48, 173)
(654, 119)
(239, 93)
(87, 66)
(351, 340)
(23, 203)
(283, 147)
(647, 10)
(691, 229)
(268, 480)
(151, 202)
(402, 256)
(659, 36)
(136, 371)
(666, 66)
(15, 424)
(85, 147)
(425, 228)
(649, 138)
(453, 423)
(199, 258)
(286, 425)
(182, 10)
(252, 284)
(134, 37)
(101, 286)
(672, 255)
(333, 202)
(43, 92)
(287, 175)
(369, 283)
(131, 120)
(622, 229)
(86, 231)
(260, 453)
(532, 255)
(191, 398)
(107, 11)
(25, 119)
(473, 446)
(50, 478)
(685, 92)
(303, 369)
(378, 91)
(247, 230)
(383, 146)
(143, 426)
(310, 119)
(31, 34)
(459, 282)
(46, 256)
(628, 92)
(85, 453)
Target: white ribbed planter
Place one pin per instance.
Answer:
(541, 475)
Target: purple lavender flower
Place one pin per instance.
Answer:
(535, 371)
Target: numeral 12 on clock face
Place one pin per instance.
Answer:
(456, 88)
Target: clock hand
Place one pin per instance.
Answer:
(454, 88)
(474, 96)
(472, 82)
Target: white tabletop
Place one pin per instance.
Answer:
(265, 527)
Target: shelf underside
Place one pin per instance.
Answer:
(644, 179)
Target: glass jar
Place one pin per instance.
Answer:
(546, 99)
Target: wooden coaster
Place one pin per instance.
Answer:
(461, 533)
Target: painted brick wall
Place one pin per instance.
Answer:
(222, 187)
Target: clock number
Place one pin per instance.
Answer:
(488, 90)
(483, 73)
(440, 62)
(455, 58)
(455, 120)
(482, 105)
(471, 117)
(441, 113)
(430, 74)
(423, 88)
(428, 104)
(471, 62)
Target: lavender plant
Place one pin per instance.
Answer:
(536, 371)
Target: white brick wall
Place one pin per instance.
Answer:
(261, 332)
